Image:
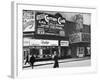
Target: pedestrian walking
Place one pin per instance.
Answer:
(56, 64)
(32, 60)
(27, 59)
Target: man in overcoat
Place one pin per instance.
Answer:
(56, 64)
(32, 60)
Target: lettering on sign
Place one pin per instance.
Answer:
(36, 42)
(28, 20)
(50, 24)
(48, 18)
(44, 42)
(64, 43)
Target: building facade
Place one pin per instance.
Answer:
(44, 33)
(79, 37)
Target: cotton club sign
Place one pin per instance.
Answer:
(49, 18)
(50, 24)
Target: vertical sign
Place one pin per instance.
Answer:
(28, 20)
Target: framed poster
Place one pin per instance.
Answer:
(52, 39)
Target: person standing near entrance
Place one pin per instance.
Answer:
(56, 64)
(32, 60)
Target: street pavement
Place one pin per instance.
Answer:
(73, 62)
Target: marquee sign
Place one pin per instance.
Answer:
(49, 24)
(40, 42)
(49, 18)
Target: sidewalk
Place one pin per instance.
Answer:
(41, 63)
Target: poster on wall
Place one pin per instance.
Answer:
(63, 34)
(28, 21)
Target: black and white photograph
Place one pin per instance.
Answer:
(55, 39)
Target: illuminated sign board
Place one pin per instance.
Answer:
(64, 43)
(49, 24)
(41, 42)
(49, 18)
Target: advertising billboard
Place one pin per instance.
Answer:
(49, 24)
(28, 20)
(86, 37)
(76, 37)
(79, 37)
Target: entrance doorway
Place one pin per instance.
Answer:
(80, 51)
